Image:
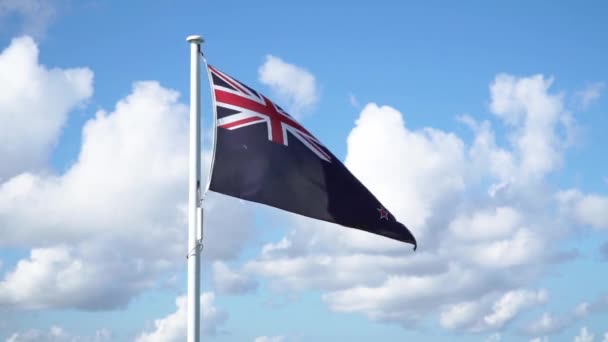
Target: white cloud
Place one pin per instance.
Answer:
(34, 105)
(605, 337)
(35, 14)
(394, 291)
(291, 84)
(404, 298)
(58, 334)
(61, 277)
(519, 249)
(510, 304)
(535, 114)
(486, 156)
(492, 312)
(172, 328)
(489, 247)
(229, 282)
(120, 208)
(270, 249)
(584, 336)
(126, 184)
(461, 315)
(498, 222)
(586, 209)
(548, 324)
(270, 339)
(588, 95)
(130, 174)
(292, 271)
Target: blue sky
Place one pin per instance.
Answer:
(480, 126)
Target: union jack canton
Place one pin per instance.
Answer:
(254, 108)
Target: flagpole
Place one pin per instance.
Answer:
(194, 205)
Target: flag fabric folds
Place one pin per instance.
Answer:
(264, 155)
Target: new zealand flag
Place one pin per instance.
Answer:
(263, 155)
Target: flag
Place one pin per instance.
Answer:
(264, 155)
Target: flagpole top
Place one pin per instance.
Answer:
(195, 39)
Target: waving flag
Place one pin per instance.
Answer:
(264, 155)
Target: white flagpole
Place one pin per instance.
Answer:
(194, 244)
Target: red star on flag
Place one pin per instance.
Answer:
(383, 213)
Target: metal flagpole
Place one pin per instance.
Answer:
(194, 203)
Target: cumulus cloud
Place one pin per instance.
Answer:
(229, 282)
(461, 315)
(292, 270)
(129, 182)
(399, 298)
(479, 315)
(130, 173)
(58, 334)
(549, 324)
(172, 328)
(586, 209)
(510, 304)
(292, 85)
(535, 115)
(60, 277)
(499, 222)
(125, 184)
(34, 104)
